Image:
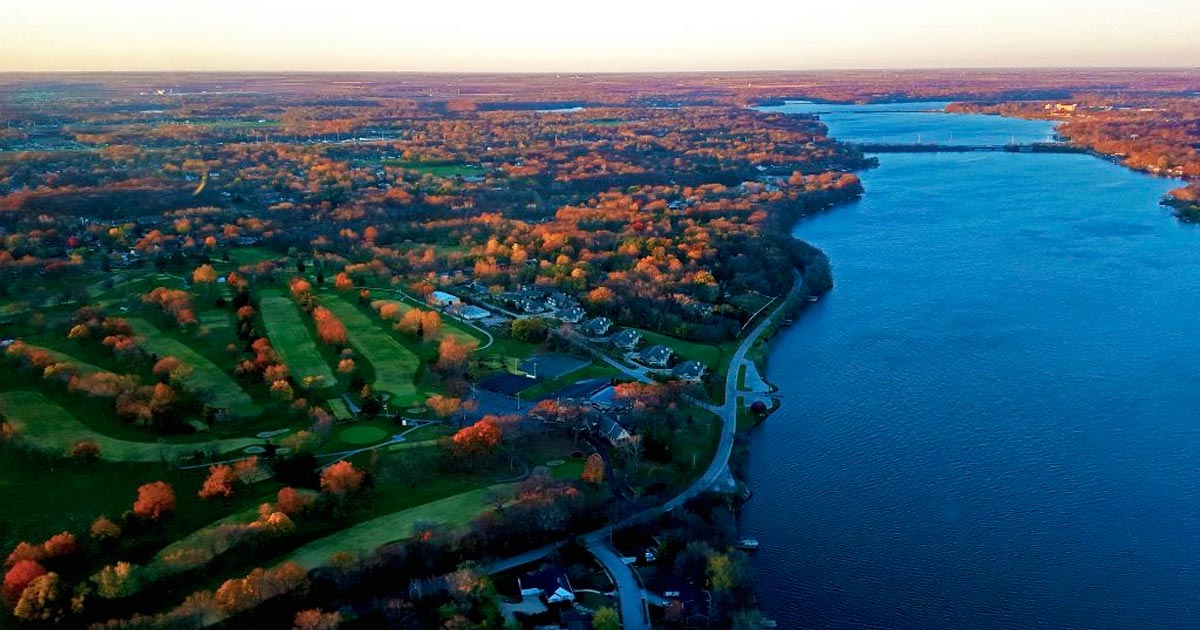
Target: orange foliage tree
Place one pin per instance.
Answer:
(341, 479)
(155, 500)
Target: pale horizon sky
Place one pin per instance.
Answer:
(616, 35)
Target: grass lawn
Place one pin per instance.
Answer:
(546, 387)
(452, 169)
(362, 435)
(45, 424)
(220, 388)
(451, 511)
(395, 366)
(289, 336)
(39, 498)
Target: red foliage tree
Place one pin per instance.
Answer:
(18, 577)
(155, 500)
(341, 479)
(219, 483)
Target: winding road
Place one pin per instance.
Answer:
(632, 603)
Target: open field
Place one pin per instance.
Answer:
(206, 377)
(45, 424)
(291, 339)
(395, 366)
(436, 169)
(451, 511)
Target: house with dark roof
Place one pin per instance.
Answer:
(548, 582)
(657, 356)
(627, 339)
(691, 371)
(572, 315)
(607, 427)
(597, 327)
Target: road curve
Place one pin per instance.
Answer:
(632, 604)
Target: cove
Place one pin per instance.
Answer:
(993, 420)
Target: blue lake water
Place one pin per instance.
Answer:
(993, 421)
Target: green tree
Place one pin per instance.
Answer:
(606, 619)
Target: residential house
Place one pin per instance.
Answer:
(691, 371)
(607, 427)
(657, 356)
(548, 582)
(572, 315)
(597, 327)
(627, 339)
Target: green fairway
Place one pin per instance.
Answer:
(206, 378)
(395, 366)
(451, 511)
(362, 435)
(290, 338)
(44, 424)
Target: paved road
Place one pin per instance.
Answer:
(633, 609)
(632, 602)
(634, 615)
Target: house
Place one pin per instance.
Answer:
(597, 327)
(473, 313)
(532, 305)
(548, 582)
(691, 371)
(572, 315)
(443, 299)
(608, 428)
(657, 356)
(627, 339)
(560, 300)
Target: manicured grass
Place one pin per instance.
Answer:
(395, 366)
(451, 511)
(710, 355)
(208, 379)
(364, 434)
(45, 424)
(290, 338)
(439, 170)
(569, 471)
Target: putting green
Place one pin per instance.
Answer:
(362, 435)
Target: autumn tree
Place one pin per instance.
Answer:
(19, 575)
(330, 329)
(103, 529)
(154, 500)
(453, 356)
(593, 469)
(45, 599)
(206, 275)
(316, 620)
(476, 440)
(85, 451)
(219, 483)
(341, 479)
(292, 501)
(431, 325)
(443, 406)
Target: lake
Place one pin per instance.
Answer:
(992, 421)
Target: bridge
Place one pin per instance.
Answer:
(930, 147)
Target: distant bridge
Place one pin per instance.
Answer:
(929, 147)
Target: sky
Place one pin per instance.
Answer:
(608, 35)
